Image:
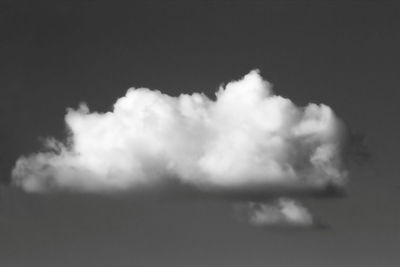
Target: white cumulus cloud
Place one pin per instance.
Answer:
(247, 137)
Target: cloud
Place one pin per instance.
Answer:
(248, 137)
(281, 212)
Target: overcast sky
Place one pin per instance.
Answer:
(55, 54)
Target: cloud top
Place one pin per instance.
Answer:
(247, 137)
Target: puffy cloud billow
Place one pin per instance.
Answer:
(247, 137)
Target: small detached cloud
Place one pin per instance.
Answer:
(283, 212)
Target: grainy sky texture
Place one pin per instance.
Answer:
(56, 54)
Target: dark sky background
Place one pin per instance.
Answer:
(54, 54)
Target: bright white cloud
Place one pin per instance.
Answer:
(247, 137)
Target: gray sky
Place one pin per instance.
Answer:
(55, 54)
